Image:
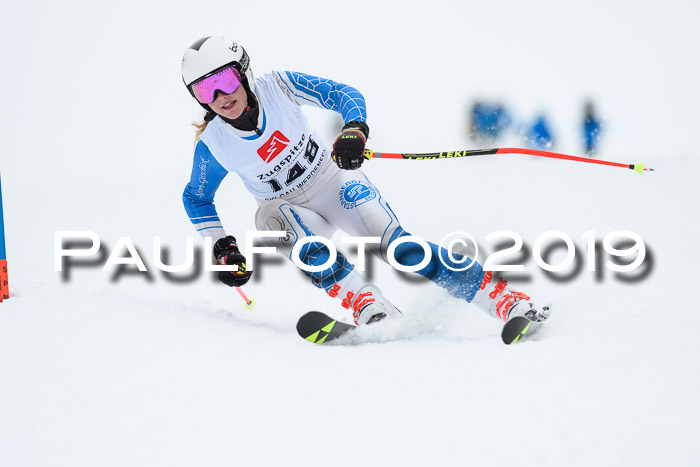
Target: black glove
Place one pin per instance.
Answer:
(226, 252)
(349, 147)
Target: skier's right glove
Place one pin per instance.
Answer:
(226, 252)
(349, 147)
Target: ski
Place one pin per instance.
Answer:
(518, 327)
(515, 329)
(320, 328)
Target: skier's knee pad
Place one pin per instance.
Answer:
(269, 216)
(278, 215)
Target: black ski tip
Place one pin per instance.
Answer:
(311, 322)
(320, 328)
(515, 329)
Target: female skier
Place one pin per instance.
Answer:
(256, 129)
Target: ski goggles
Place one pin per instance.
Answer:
(226, 81)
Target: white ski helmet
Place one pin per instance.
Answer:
(212, 53)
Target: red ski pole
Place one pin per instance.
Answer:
(369, 154)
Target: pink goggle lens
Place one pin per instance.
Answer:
(226, 81)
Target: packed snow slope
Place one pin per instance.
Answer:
(134, 368)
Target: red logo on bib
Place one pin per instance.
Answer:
(273, 147)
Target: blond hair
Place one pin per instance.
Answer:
(199, 129)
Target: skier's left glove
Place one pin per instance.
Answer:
(349, 147)
(226, 252)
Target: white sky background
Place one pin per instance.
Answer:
(92, 90)
(100, 83)
(95, 135)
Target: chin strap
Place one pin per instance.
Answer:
(248, 121)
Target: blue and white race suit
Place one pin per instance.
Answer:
(286, 160)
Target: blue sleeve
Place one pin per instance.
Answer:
(198, 197)
(324, 93)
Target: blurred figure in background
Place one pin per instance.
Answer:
(491, 122)
(591, 129)
(539, 135)
(488, 122)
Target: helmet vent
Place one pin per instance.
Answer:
(199, 43)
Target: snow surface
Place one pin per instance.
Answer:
(138, 370)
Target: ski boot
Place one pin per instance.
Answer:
(368, 306)
(371, 306)
(521, 316)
